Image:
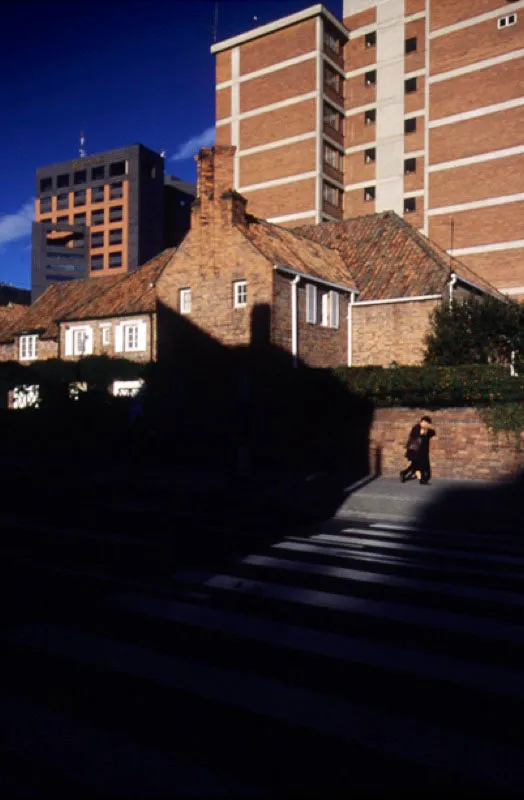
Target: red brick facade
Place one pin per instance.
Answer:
(462, 448)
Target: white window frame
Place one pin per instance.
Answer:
(330, 309)
(106, 334)
(84, 332)
(28, 347)
(505, 22)
(311, 303)
(240, 294)
(334, 309)
(131, 337)
(185, 301)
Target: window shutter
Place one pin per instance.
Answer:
(142, 335)
(325, 309)
(88, 342)
(69, 342)
(334, 309)
(311, 303)
(119, 338)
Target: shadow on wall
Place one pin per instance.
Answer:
(478, 508)
(231, 433)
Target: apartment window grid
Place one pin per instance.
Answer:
(411, 45)
(410, 166)
(116, 214)
(80, 176)
(369, 194)
(115, 260)
(331, 78)
(62, 181)
(97, 239)
(331, 194)
(370, 155)
(331, 42)
(410, 85)
(370, 116)
(410, 205)
(97, 194)
(45, 205)
(115, 236)
(97, 217)
(332, 156)
(240, 294)
(370, 78)
(28, 347)
(370, 39)
(410, 125)
(332, 118)
(97, 262)
(79, 198)
(62, 201)
(185, 301)
(116, 191)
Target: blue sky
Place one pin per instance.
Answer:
(124, 71)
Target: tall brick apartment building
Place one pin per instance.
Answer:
(414, 106)
(105, 214)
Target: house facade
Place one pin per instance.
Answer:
(354, 292)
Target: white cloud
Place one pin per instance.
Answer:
(193, 145)
(18, 225)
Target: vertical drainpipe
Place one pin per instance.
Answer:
(294, 319)
(350, 328)
(451, 284)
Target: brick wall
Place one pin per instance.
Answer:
(475, 43)
(288, 82)
(99, 349)
(390, 332)
(281, 123)
(495, 84)
(506, 267)
(46, 348)
(462, 448)
(474, 136)
(280, 46)
(501, 176)
(448, 12)
(290, 198)
(291, 159)
(479, 226)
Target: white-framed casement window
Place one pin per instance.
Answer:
(311, 303)
(331, 156)
(185, 301)
(240, 294)
(131, 342)
(330, 309)
(106, 334)
(79, 341)
(131, 336)
(27, 349)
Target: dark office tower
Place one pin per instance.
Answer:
(98, 215)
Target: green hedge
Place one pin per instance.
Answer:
(433, 387)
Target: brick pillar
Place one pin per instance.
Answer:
(215, 193)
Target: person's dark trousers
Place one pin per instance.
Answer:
(408, 473)
(425, 469)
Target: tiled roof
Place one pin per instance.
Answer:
(285, 247)
(118, 295)
(389, 258)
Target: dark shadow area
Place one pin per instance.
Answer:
(478, 508)
(224, 442)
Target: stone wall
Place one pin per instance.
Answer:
(462, 448)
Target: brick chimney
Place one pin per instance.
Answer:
(215, 194)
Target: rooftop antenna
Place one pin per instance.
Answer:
(82, 151)
(215, 24)
(163, 153)
(452, 238)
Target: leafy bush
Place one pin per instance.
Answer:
(434, 386)
(476, 332)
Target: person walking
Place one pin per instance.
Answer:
(417, 452)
